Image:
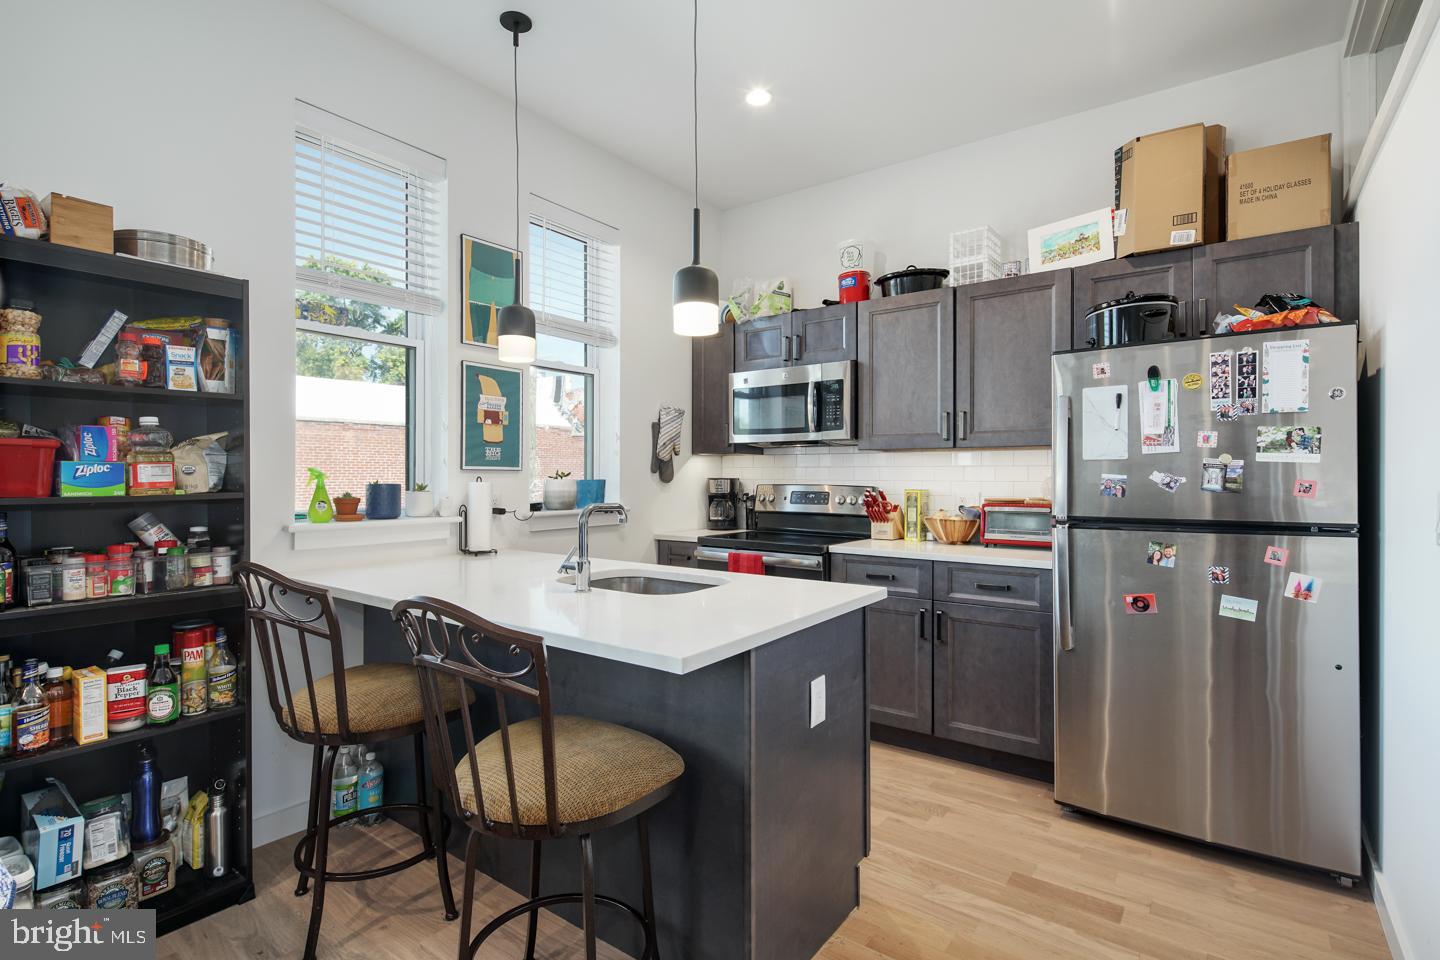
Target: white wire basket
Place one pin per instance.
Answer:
(974, 256)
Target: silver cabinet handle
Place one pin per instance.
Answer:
(964, 425)
(924, 615)
(939, 631)
(1204, 318)
(945, 425)
(1061, 440)
(1062, 625)
(787, 358)
(799, 347)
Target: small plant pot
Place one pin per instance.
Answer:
(559, 494)
(588, 492)
(382, 501)
(347, 508)
(419, 503)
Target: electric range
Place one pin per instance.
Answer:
(794, 527)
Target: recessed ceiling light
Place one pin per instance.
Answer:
(757, 97)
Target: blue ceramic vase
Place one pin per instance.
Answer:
(588, 492)
(382, 501)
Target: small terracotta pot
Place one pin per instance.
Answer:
(347, 506)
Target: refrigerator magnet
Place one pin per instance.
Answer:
(1114, 485)
(1140, 603)
(1212, 476)
(1337, 393)
(1217, 575)
(1168, 482)
(1159, 416)
(1247, 382)
(1302, 586)
(1222, 381)
(1101, 370)
(1192, 381)
(1207, 439)
(1239, 608)
(1276, 556)
(1160, 554)
(1305, 489)
(1286, 376)
(1296, 443)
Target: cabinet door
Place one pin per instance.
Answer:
(1005, 331)
(762, 343)
(1168, 273)
(907, 371)
(674, 553)
(994, 685)
(1243, 271)
(897, 640)
(711, 360)
(823, 335)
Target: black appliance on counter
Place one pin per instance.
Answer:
(1134, 318)
(795, 525)
(723, 504)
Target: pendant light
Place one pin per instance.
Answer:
(516, 321)
(697, 289)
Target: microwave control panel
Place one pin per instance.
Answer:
(830, 398)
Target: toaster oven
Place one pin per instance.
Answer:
(1016, 523)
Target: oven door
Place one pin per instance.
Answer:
(795, 566)
(810, 403)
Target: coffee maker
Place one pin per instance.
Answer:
(722, 510)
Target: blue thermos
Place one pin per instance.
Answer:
(145, 827)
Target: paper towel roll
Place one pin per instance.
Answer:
(476, 535)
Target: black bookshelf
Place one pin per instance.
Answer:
(75, 291)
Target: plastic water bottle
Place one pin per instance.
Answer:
(372, 788)
(344, 784)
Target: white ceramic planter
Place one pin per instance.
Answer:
(419, 503)
(559, 494)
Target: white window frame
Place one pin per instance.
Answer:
(423, 405)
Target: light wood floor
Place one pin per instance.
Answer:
(966, 863)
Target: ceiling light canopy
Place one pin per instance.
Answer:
(516, 321)
(758, 97)
(697, 289)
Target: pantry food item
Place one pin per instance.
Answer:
(129, 366)
(221, 674)
(120, 569)
(152, 356)
(107, 834)
(72, 578)
(122, 433)
(67, 896)
(20, 341)
(151, 467)
(95, 349)
(155, 867)
(162, 690)
(21, 214)
(125, 688)
(150, 529)
(115, 886)
(58, 697)
(88, 707)
(190, 638)
(180, 368)
(200, 463)
(223, 560)
(32, 712)
(77, 479)
(217, 357)
(97, 576)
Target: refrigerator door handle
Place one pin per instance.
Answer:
(1062, 456)
(1063, 628)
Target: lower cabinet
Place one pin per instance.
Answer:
(994, 678)
(674, 553)
(898, 634)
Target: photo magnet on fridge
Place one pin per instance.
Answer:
(1217, 575)
(1101, 370)
(1239, 608)
(1302, 586)
(1168, 482)
(1158, 554)
(1207, 439)
(1140, 603)
(1306, 489)
(1287, 444)
(1276, 556)
(1113, 484)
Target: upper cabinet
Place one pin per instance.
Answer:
(1167, 273)
(1243, 271)
(819, 335)
(1005, 331)
(907, 371)
(711, 361)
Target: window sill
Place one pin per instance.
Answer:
(547, 520)
(321, 536)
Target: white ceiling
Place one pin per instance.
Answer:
(858, 84)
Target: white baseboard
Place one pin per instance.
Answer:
(1378, 887)
(280, 823)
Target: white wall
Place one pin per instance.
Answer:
(1398, 253)
(208, 153)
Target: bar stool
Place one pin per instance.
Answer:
(537, 779)
(351, 706)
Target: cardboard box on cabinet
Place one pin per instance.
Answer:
(1278, 188)
(1168, 189)
(80, 223)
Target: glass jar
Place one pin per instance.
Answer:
(97, 576)
(177, 571)
(129, 367)
(198, 539)
(114, 886)
(202, 574)
(223, 560)
(143, 570)
(72, 578)
(152, 352)
(66, 896)
(119, 567)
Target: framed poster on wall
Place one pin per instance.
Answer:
(492, 417)
(489, 280)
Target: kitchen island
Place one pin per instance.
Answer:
(758, 683)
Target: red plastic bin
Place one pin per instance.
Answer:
(27, 467)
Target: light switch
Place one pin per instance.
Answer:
(817, 701)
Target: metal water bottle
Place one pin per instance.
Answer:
(217, 832)
(145, 796)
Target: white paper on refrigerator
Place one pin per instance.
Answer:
(1105, 423)
(1285, 376)
(1159, 417)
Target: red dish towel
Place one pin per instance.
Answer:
(746, 563)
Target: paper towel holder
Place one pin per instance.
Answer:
(465, 538)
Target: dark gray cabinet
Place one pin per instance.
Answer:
(711, 361)
(818, 335)
(897, 637)
(1025, 588)
(900, 576)
(993, 679)
(1168, 272)
(1243, 271)
(907, 371)
(1005, 331)
(675, 553)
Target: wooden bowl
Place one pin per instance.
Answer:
(951, 530)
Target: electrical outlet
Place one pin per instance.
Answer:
(817, 701)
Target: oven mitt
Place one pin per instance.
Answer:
(666, 434)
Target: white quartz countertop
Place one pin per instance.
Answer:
(1032, 557)
(690, 536)
(678, 633)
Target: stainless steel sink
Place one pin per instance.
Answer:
(652, 586)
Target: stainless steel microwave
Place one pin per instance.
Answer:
(806, 403)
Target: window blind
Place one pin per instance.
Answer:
(574, 283)
(366, 228)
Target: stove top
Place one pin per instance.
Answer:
(803, 519)
(780, 541)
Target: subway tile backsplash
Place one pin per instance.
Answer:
(953, 477)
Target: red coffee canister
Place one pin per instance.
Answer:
(854, 286)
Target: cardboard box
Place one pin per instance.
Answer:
(96, 444)
(1278, 188)
(1168, 189)
(80, 223)
(75, 478)
(53, 832)
(88, 710)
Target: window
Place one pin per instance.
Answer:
(573, 278)
(367, 268)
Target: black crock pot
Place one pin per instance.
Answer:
(1134, 318)
(912, 279)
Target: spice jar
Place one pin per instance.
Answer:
(20, 341)
(114, 886)
(39, 581)
(97, 576)
(223, 560)
(119, 569)
(72, 578)
(177, 573)
(129, 368)
(143, 570)
(202, 574)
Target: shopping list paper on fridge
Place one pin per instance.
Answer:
(1105, 423)
(1159, 416)
(1285, 376)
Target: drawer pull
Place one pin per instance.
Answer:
(999, 587)
(879, 576)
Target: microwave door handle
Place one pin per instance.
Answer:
(812, 408)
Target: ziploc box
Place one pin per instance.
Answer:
(53, 833)
(78, 478)
(96, 444)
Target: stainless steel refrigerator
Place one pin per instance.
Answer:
(1207, 614)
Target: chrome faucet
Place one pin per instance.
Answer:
(580, 564)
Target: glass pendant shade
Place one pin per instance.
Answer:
(517, 334)
(697, 302)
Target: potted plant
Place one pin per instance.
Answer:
(347, 507)
(382, 500)
(420, 502)
(559, 491)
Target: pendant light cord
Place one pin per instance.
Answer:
(695, 91)
(515, 79)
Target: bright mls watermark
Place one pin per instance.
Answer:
(78, 934)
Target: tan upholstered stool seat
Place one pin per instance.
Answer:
(380, 696)
(600, 768)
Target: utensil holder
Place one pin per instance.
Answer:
(890, 529)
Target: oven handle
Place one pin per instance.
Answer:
(711, 555)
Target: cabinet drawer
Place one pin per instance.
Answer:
(675, 553)
(1019, 587)
(902, 578)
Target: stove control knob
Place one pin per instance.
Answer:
(850, 500)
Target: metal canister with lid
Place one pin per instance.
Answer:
(217, 832)
(191, 637)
